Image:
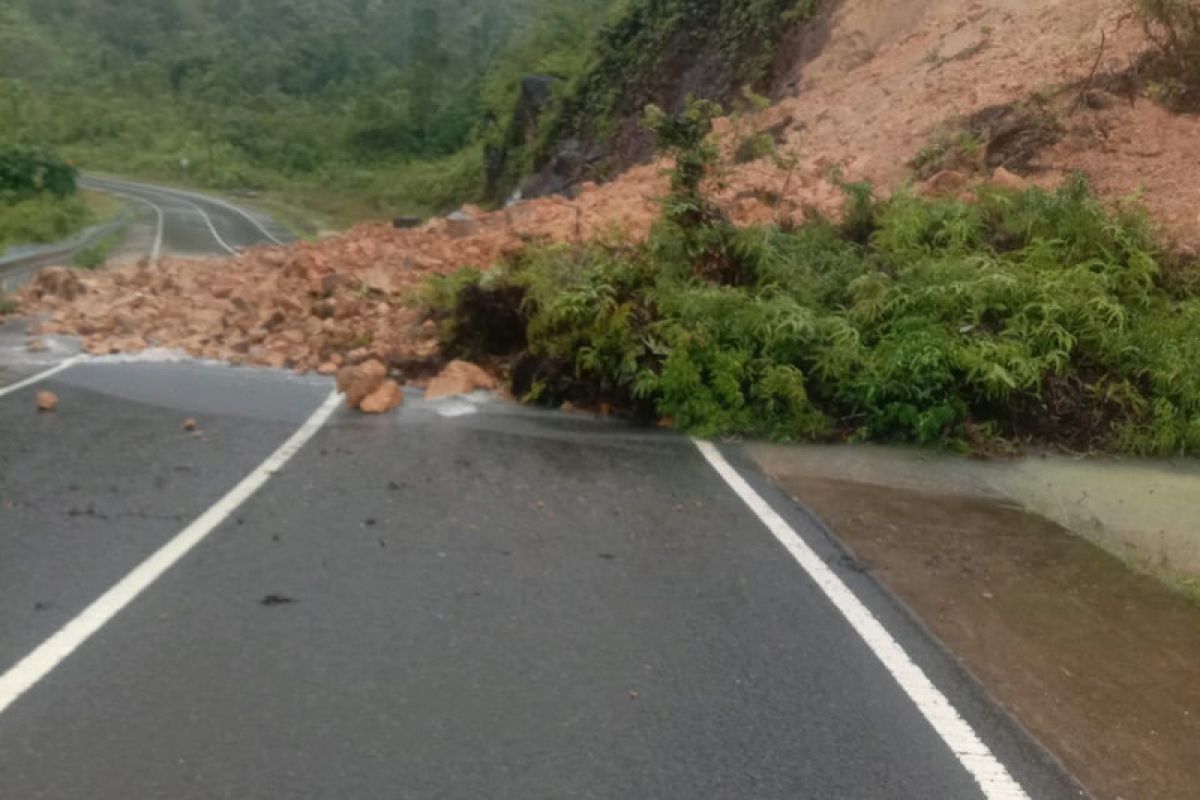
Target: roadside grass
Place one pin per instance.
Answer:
(97, 255)
(1032, 316)
(41, 219)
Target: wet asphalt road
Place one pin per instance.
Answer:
(192, 224)
(461, 600)
(486, 602)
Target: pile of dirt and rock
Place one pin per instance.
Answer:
(888, 80)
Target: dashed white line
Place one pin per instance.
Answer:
(975, 756)
(41, 376)
(42, 661)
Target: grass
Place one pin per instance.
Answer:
(96, 255)
(42, 219)
(1019, 316)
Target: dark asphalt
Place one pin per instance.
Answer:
(195, 224)
(506, 604)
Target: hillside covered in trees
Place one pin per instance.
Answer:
(366, 106)
(249, 94)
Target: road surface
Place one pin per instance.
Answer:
(159, 221)
(181, 222)
(465, 599)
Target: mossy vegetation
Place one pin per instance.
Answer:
(661, 52)
(1033, 315)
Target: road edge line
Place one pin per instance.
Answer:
(26, 673)
(5, 391)
(992, 777)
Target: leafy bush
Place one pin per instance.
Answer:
(41, 219)
(1174, 27)
(1020, 315)
(26, 173)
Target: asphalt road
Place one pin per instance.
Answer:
(459, 601)
(465, 599)
(188, 223)
(162, 221)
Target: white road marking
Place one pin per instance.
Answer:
(214, 200)
(41, 376)
(156, 248)
(231, 207)
(993, 778)
(42, 661)
(211, 227)
(179, 198)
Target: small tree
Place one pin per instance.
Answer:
(1174, 27)
(709, 240)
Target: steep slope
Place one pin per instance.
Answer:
(873, 83)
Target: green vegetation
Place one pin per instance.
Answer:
(1174, 27)
(38, 201)
(96, 255)
(354, 106)
(636, 60)
(1019, 315)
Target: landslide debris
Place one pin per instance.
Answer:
(460, 378)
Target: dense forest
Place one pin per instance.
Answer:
(356, 106)
(247, 93)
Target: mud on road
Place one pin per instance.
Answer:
(1100, 663)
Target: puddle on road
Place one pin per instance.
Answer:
(1100, 663)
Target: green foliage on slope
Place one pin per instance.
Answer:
(1020, 315)
(332, 97)
(37, 198)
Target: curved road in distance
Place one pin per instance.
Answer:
(182, 222)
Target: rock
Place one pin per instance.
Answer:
(47, 401)
(946, 183)
(361, 381)
(404, 223)
(36, 346)
(1003, 179)
(388, 396)
(59, 282)
(328, 368)
(460, 224)
(459, 378)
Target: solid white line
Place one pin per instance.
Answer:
(214, 200)
(71, 636)
(156, 248)
(179, 198)
(211, 227)
(236, 209)
(972, 753)
(41, 376)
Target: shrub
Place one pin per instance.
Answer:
(41, 219)
(26, 173)
(1174, 27)
(1018, 315)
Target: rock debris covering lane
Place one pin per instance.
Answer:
(512, 604)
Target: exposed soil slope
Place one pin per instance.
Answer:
(889, 77)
